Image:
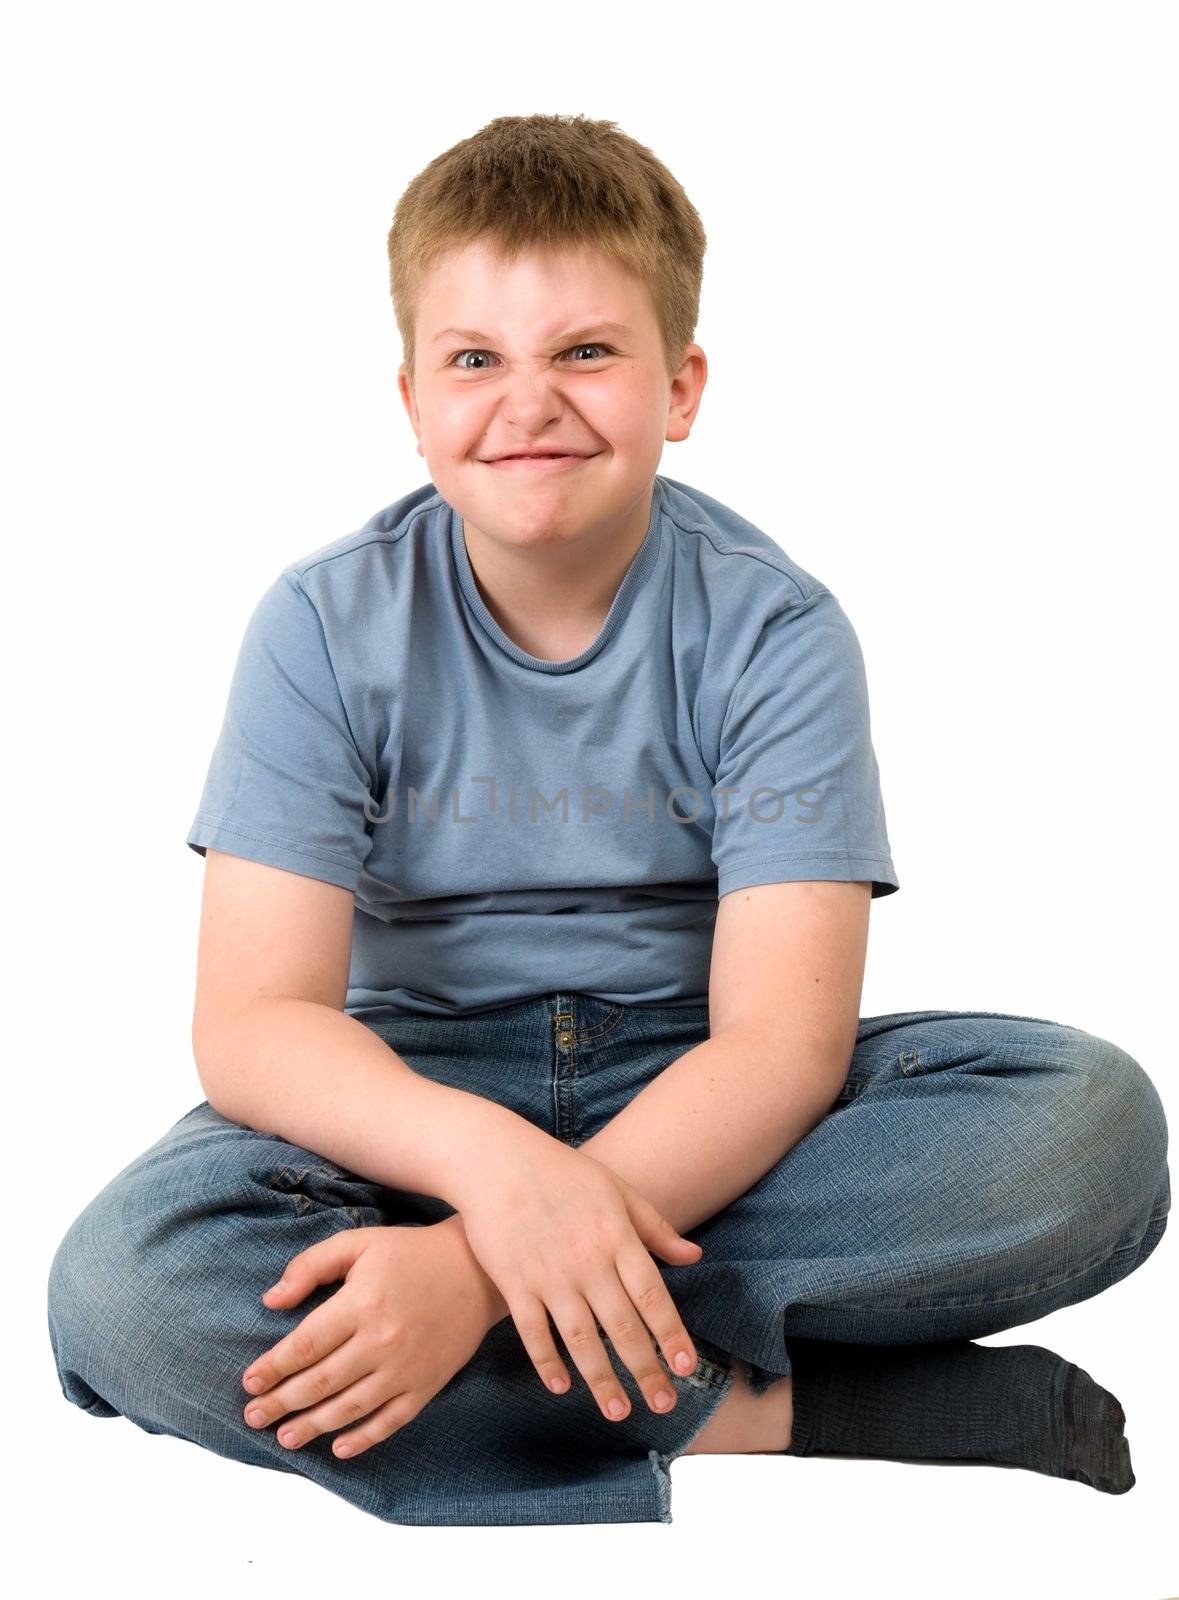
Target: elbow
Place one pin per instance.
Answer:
(224, 1053)
(805, 1071)
(222, 1098)
(824, 1053)
(201, 1043)
(209, 1081)
(210, 1056)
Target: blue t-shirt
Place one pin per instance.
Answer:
(514, 827)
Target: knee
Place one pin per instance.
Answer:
(1122, 1110)
(129, 1336)
(1127, 1096)
(72, 1289)
(78, 1309)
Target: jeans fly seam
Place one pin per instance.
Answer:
(565, 1042)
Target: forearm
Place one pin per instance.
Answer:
(703, 1131)
(322, 1080)
(714, 1122)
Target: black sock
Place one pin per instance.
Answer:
(1011, 1405)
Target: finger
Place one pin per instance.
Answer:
(326, 1262)
(650, 1297)
(383, 1422)
(657, 1233)
(319, 1333)
(653, 1227)
(532, 1324)
(315, 1385)
(352, 1403)
(579, 1329)
(625, 1318)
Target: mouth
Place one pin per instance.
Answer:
(537, 463)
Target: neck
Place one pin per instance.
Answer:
(552, 599)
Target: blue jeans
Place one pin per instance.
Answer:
(977, 1171)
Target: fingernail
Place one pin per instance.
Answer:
(662, 1400)
(253, 1383)
(616, 1408)
(683, 1362)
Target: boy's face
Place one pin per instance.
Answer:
(534, 368)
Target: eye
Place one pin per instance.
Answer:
(459, 353)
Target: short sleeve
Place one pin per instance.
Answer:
(286, 785)
(796, 755)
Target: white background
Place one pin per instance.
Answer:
(940, 314)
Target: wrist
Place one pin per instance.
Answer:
(495, 1307)
(481, 1136)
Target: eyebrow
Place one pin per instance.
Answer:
(570, 337)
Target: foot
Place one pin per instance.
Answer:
(745, 1423)
(1017, 1405)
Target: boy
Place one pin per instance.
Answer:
(541, 832)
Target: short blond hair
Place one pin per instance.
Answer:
(557, 183)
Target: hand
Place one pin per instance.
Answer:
(557, 1231)
(402, 1324)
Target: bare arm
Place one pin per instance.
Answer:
(784, 995)
(276, 1052)
(319, 1078)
